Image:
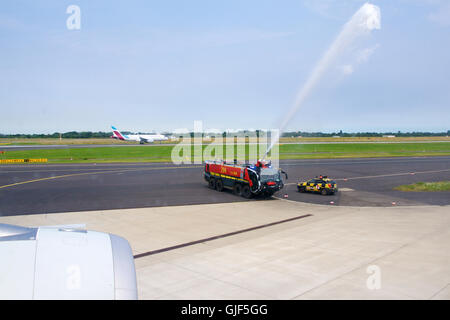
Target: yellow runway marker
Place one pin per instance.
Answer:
(88, 173)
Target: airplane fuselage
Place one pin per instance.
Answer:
(141, 138)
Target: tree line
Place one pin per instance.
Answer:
(366, 134)
(66, 135)
(99, 134)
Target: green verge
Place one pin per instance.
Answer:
(157, 153)
(425, 186)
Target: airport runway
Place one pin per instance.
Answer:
(50, 188)
(75, 146)
(155, 144)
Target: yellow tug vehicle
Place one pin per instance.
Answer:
(320, 184)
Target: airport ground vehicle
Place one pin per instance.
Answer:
(321, 184)
(246, 180)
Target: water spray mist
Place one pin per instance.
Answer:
(366, 19)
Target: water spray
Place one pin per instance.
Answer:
(366, 19)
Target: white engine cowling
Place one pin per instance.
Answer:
(63, 262)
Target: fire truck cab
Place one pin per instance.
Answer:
(246, 180)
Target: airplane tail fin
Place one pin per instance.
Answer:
(117, 134)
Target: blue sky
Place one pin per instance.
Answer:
(160, 65)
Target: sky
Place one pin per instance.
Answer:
(157, 66)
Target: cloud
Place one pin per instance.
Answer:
(441, 16)
(346, 69)
(364, 54)
(361, 56)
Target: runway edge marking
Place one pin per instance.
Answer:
(89, 173)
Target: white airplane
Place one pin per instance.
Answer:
(141, 138)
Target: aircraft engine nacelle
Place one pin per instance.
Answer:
(64, 262)
(145, 140)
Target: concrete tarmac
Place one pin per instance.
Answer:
(333, 252)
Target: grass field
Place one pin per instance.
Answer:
(51, 141)
(94, 141)
(426, 186)
(302, 151)
(162, 153)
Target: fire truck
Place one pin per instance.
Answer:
(246, 180)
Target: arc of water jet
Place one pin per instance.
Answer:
(366, 19)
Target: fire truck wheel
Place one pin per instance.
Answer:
(219, 185)
(237, 189)
(246, 193)
(212, 183)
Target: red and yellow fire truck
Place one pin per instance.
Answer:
(246, 180)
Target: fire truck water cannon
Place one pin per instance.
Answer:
(246, 180)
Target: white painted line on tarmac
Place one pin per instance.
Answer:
(392, 175)
(380, 176)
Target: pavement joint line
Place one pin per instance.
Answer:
(193, 270)
(87, 169)
(72, 164)
(55, 170)
(191, 243)
(88, 173)
(380, 176)
(230, 283)
(332, 161)
(439, 291)
(347, 272)
(393, 174)
(289, 162)
(383, 255)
